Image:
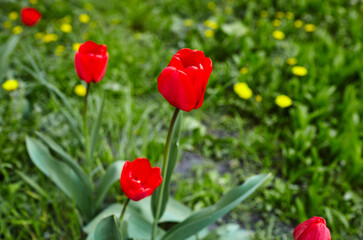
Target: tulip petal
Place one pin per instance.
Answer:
(83, 65)
(191, 57)
(202, 85)
(177, 88)
(30, 16)
(176, 62)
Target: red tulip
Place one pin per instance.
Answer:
(30, 16)
(91, 61)
(184, 81)
(139, 179)
(313, 229)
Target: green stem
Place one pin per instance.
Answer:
(163, 173)
(85, 127)
(122, 215)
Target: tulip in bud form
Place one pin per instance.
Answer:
(313, 229)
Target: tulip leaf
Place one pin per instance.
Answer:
(209, 215)
(6, 50)
(96, 129)
(171, 162)
(62, 175)
(137, 226)
(112, 174)
(68, 160)
(107, 229)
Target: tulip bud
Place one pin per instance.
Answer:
(313, 229)
(30, 16)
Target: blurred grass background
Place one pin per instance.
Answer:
(313, 148)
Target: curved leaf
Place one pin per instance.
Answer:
(107, 229)
(95, 133)
(209, 215)
(112, 174)
(62, 175)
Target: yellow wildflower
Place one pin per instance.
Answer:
(298, 23)
(211, 24)
(211, 5)
(258, 98)
(280, 15)
(59, 50)
(283, 101)
(276, 23)
(88, 6)
(299, 71)
(50, 37)
(264, 13)
(67, 28)
(7, 24)
(243, 70)
(228, 10)
(76, 46)
(13, 16)
(291, 61)
(39, 35)
(80, 90)
(208, 33)
(310, 27)
(17, 29)
(242, 90)
(289, 15)
(10, 85)
(279, 35)
(188, 22)
(84, 18)
(33, 1)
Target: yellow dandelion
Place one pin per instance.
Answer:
(7, 24)
(39, 35)
(33, 1)
(59, 50)
(10, 85)
(84, 18)
(17, 29)
(208, 33)
(258, 98)
(280, 15)
(88, 6)
(264, 13)
(50, 37)
(283, 101)
(242, 90)
(211, 5)
(299, 71)
(188, 22)
(80, 90)
(211, 24)
(243, 70)
(13, 16)
(228, 10)
(65, 27)
(76, 46)
(279, 35)
(310, 27)
(276, 22)
(298, 23)
(291, 61)
(289, 15)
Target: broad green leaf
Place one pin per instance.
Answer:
(107, 229)
(96, 129)
(62, 175)
(138, 226)
(112, 174)
(228, 232)
(209, 215)
(171, 162)
(68, 160)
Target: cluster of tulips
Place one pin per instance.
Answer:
(183, 84)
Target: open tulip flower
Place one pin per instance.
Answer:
(183, 82)
(30, 16)
(312, 229)
(91, 61)
(139, 179)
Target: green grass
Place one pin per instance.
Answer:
(313, 148)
